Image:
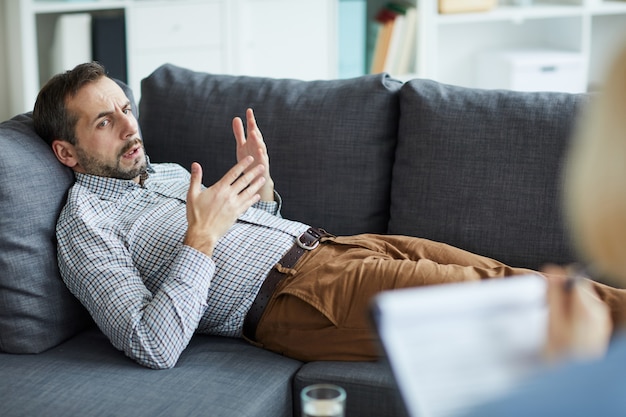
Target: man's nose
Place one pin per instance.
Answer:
(129, 126)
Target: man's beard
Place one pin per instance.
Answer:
(93, 166)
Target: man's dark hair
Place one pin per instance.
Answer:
(51, 116)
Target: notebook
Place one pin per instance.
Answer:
(454, 346)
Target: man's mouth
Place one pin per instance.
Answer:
(133, 151)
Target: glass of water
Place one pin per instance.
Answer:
(323, 400)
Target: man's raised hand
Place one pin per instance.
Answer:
(212, 211)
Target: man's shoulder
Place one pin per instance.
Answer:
(78, 193)
(81, 202)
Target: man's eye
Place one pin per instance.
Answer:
(127, 111)
(103, 123)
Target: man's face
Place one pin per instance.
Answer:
(107, 135)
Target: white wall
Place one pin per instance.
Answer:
(4, 90)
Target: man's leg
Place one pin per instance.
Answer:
(320, 310)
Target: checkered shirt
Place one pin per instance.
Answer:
(121, 253)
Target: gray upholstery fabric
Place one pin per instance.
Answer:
(331, 143)
(36, 309)
(479, 169)
(86, 376)
(370, 387)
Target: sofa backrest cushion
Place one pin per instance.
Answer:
(480, 169)
(37, 311)
(331, 142)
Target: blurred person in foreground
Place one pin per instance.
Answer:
(595, 203)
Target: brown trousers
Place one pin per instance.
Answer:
(320, 311)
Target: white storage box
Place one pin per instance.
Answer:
(532, 70)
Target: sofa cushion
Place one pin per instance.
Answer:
(331, 143)
(86, 376)
(479, 169)
(36, 309)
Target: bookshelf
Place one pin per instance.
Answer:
(447, 45)
(251, 37)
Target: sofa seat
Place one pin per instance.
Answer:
(86, 376)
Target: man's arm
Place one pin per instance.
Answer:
(152, 329)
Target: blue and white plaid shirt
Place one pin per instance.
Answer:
(121, 254)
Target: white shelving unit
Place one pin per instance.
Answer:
(220, 36)
(448, 44)
(191, 34)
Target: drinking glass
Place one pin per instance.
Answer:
(323, 400)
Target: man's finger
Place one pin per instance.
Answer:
(250, 120)
(247, 179)
(239, 169)
(238, 131)
(250, 194)
(195, 183)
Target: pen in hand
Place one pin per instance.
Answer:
(576, 273)
(579, 323)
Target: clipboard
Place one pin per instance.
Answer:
(453, 346)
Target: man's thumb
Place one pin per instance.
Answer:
(195, 182)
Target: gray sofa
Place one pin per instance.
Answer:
(474, 168)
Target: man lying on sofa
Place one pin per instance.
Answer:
(155, 257)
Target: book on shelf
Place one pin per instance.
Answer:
(71, 43)
(83, 37)
(395, 40)
(405, 61)
(109, 43)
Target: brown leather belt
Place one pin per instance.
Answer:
(307, 241)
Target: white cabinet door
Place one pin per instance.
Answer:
(189, 34)
(287, 38)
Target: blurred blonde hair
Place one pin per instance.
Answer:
(595, 177)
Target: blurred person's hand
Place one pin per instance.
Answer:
(579, 323)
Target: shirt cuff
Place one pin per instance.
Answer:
(195, 268)
(272, 207)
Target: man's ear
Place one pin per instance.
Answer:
(65, 152)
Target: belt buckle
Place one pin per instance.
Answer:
(315, 241)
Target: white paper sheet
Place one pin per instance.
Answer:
(456, 345)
